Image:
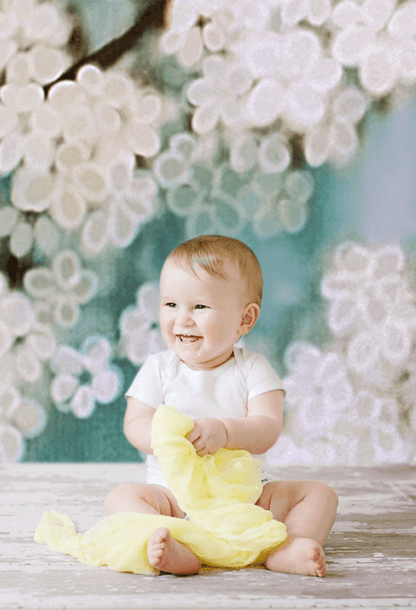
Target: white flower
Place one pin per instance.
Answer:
(287, 451)
(291, 62)
(31, 33)
(222, 199)
(129, 207)
(139, 325)
(372, 308)
(25, 347)
(187, 45)
(23, 235)
(20, 418)
(106, 121)
(30, 36)
(25, 343)
(71, 148)
(278, 201)
(217, 95)
(186, 39)
(172, 166)
(334, 417)
(11, 443)
(378, 39)
(335, 138)
(295, 78)
(94, 362)
(63, 287)
(208, 200)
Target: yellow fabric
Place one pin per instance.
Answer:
(218, 493)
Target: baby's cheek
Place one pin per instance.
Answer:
(215, 332)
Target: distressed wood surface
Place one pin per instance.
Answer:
(371, 552)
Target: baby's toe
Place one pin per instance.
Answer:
(320, 563)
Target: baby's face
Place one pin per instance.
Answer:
(200, 317)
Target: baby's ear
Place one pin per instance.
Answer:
(250, 316)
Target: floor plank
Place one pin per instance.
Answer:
(371, 552)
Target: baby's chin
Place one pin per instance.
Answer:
(201, 363)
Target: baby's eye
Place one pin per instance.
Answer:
(200, 306)
(170, 304)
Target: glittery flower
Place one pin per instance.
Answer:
(332, 418)
(371, 307)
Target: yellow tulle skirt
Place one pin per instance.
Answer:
(218, 493)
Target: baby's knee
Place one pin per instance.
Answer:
(138, 497)
(326, 491)
(122, 497)
(112, 500)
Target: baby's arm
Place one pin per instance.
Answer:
(138, 424)
(257, 432)
(260, 429)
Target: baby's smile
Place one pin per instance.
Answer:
(188, 338)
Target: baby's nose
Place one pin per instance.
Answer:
(185, 317)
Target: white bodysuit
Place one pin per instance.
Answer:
(220, 392)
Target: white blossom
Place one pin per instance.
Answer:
(333, 417)
(278, 201)
(217, 95)
(70, 152)
(32, 35)
(62, 288)
(26, 347)
(26, 344)
(377, 38)
(172, 166)
(255, 186)
(353, 401)
(24, 236)
(21, 418)
(269, 65)
(335, 138)
(372, 309)
(69, 393)
(139, 325)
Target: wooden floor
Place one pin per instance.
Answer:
(371, 552)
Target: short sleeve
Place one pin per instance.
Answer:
(147, 385)
(261, 376)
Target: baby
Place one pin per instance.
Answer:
(211, 290)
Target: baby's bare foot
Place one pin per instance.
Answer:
(168, 555)
(298, 556)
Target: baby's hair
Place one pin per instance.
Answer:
(210, 251)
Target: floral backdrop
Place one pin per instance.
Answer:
(128, 126)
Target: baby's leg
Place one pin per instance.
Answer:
(142, 498)
(308, 510)
(163, 551)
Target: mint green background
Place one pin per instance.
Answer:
(374, 199)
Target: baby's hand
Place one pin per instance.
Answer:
(208, 436)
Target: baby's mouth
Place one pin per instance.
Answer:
(188, 338)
